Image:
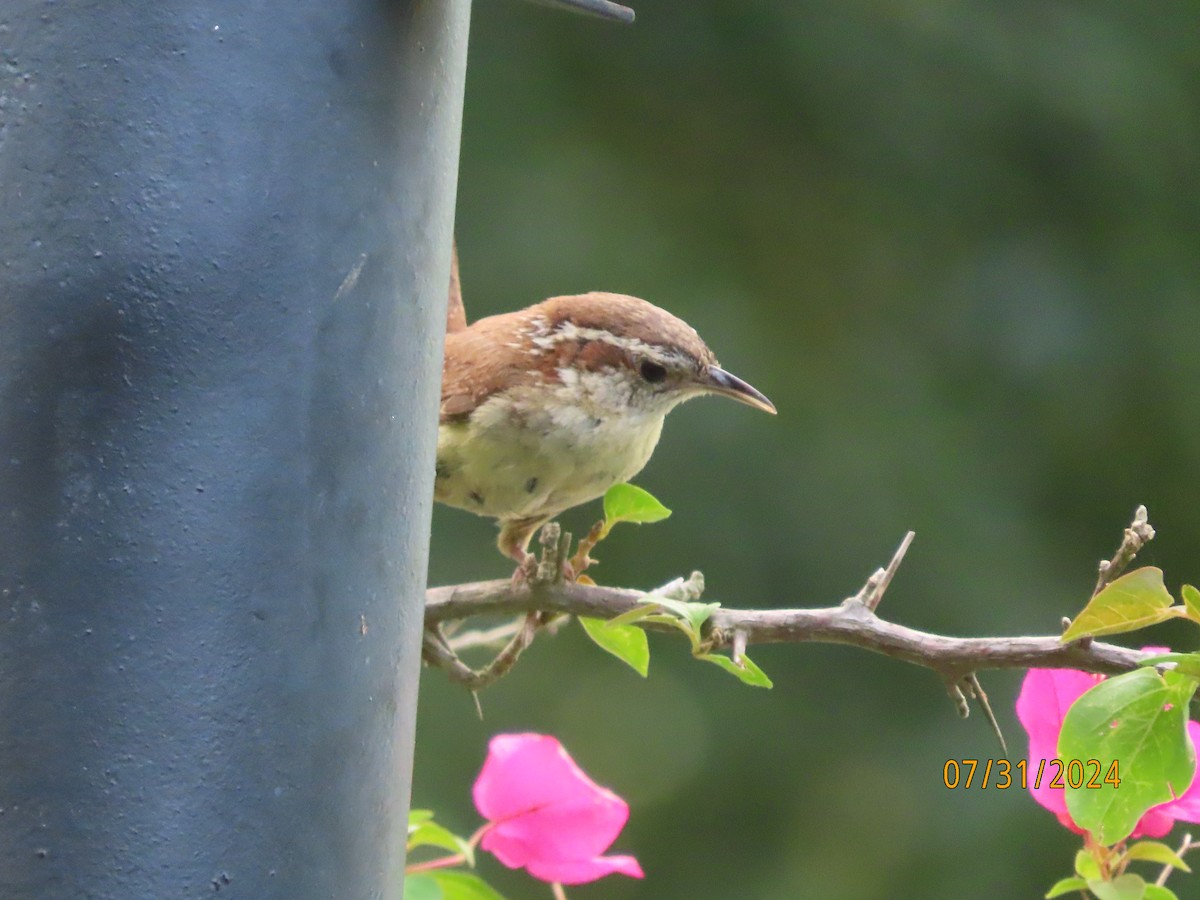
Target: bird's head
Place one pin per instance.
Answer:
(626, 353)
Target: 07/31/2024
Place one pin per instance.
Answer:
(1055, 773)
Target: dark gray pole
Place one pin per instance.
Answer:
(224, 248)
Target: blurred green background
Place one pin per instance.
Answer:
(958, 244)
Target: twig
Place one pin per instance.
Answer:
(1137, 535)
(430, 865)
(554, 542)
(581, 560)
(853, 622)
(1188, 844)
(850, 623)
(484, 637)
(437, 652)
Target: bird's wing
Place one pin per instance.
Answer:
(480, 360)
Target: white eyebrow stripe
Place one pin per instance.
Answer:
(569, 331)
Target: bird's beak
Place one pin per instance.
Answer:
(718, 381)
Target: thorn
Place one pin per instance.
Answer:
(960, 702)
(739, 648)
(873, 590)
(977, 689)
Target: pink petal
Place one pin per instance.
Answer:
(1045, 697)
(1155, 823)
(578, 829)
(1052, 798)
(1067, 822)
(524, 772)
(582, 871)
(546, 815)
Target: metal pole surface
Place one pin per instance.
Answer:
(225, 234)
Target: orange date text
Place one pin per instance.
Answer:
(1053, 773)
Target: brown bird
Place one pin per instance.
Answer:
(546, 408)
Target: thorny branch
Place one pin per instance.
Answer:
(854, 622)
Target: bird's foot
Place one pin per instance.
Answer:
(554, 567)
(530, 571)
(526, 571)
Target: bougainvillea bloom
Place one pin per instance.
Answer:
(546, 815)
(1046, 695)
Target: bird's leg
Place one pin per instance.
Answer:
(513, 542)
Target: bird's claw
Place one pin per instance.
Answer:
(528, 573)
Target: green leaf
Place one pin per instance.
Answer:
(1138, 721)
(630, 616)
(464, 886)
(748, 672)
(1133, 601)
(1124, 887)
(1065, 886)
(1158, 892)
(626, 642)
(676, 607)
(687, 617)
(417, 816)
(1086, 865)
(1191, 602)
(1186, 664)
(699, 613)
(694, 614)
(626, 503)
(421, 887)
(431, 834)
(1156, 852)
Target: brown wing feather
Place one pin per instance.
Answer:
(479, 361)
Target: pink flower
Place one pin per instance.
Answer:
(1046, 695)
(546, 815)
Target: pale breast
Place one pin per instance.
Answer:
(514, 459)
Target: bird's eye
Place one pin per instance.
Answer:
(652, 371)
